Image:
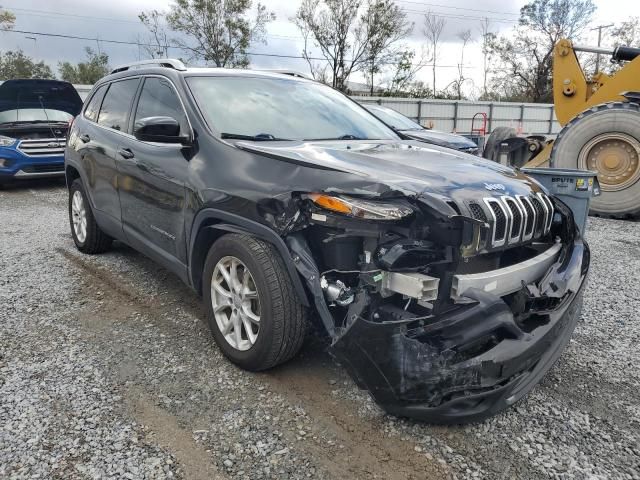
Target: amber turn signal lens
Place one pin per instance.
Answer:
(330, 203)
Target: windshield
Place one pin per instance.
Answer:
(20, 100)
(34, 115)
(281, 108)
(394, 119)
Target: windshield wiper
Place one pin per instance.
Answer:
(343, 137)
(261, 137)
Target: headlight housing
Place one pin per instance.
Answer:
(360, 208)
(6, 141)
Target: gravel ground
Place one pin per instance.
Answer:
(107, 370)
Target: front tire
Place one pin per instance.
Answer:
(85, 231)
(253, 310)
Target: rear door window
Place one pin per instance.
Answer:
(93, 107)
(116, 105)
(159, 99)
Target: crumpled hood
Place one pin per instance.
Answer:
(444, 139)
(410, 167)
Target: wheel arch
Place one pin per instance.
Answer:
(210, 224)
(73, 172)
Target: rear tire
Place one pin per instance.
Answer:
(259, 272)
(85, 231)
(606, 139)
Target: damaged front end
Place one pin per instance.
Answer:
(446, 311)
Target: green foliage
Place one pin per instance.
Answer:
(7, 19)
(526, 55)
(18, 65)
(93, 69)
(351, 36)
(386, 24)
(218, 32)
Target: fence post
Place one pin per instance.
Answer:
(420, 112)
(551, 119)
(521, 113)
(490, 126)
(455, 117)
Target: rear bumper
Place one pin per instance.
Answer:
(473, 361)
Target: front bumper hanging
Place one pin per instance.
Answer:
(471, 363)
(474, 360)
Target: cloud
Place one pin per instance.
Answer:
(117, 19)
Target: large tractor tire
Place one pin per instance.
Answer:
(605, 139)
(498, 135)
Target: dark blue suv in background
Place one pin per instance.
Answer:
(34, 118)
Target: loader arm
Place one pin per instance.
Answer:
(573, 93)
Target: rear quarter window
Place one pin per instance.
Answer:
(93, 107)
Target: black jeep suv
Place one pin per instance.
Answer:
(448, 285)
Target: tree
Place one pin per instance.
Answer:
(89, 72)
(526, 55)
(18, 65)
(350, 35)
(627, 33)
(156, 45)
(433, 26)
(218, 31)
(406, 69)
(465, 38)
(7, 19)
(388, 25)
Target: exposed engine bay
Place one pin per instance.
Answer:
(450, 311)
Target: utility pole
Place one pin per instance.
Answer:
(600, 28)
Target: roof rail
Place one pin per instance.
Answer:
(292, 73)
(158, 62)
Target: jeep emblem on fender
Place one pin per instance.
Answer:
(494, 186)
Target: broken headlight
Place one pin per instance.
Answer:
(359, 208)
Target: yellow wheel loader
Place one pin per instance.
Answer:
(600, 117)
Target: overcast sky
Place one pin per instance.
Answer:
(117, 20)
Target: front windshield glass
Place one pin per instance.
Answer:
(394, 119)
(282, 108)
(34, 115)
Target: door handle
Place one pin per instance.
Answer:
(84, 138)
(125, 153)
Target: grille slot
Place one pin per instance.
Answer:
(530, 215)
(550, 211)
(43, 168)
(516, 219)
(42, 147)
(500, 222)
(540, 215)
(477, 212)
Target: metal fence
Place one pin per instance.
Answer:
(457, 115)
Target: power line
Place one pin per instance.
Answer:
(462, 17)
(144, 44)
(458, 8)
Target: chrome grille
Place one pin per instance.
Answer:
(515, 219)
(42, 147)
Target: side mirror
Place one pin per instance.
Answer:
(160, 130)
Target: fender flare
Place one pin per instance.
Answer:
(225, 222)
